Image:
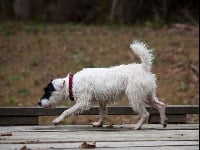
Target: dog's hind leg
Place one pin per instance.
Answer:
(102, 115)
(137, 101)
(144, 115)
(153, 101)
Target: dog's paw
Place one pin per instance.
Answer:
(136, 128)
(97, 124)
(164, 122)
(57, 121)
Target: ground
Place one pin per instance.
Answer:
(34, 53)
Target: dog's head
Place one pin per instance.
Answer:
(54, 92)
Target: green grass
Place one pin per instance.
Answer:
(23, 91)
(15, 77)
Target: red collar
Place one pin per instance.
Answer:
(70, 87)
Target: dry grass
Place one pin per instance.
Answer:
(33, 54)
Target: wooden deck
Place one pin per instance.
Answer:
(151, 137)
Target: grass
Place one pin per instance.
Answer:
(34, 53)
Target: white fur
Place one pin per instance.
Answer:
(105, 85)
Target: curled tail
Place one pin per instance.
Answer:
(143, 53)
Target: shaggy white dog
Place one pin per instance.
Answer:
(105, 85)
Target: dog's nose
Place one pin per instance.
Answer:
(39, 103)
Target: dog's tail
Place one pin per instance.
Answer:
(143, 53)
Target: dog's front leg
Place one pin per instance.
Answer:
(102, 115)
(77, 108)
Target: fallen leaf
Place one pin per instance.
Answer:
(88, 145)
(24, 148)
(6, 134)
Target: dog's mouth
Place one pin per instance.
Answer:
(47, 105)
(51, 105)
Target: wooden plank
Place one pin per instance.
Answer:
(71, 128)
(117, 110)
(111, 145)
(171, 119)
(182, 136)
(48, 134)
(19, 120)
(176, 114)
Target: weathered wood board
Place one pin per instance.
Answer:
(29, 115)
(182, 136)
(111, 110)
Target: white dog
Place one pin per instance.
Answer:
(104, 85)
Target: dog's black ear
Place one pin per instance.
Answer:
(51, 80)
(50, 87)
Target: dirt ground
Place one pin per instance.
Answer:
(33, 54)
